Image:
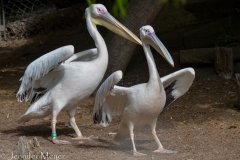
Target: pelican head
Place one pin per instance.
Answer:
(100, 16)
(148, 35)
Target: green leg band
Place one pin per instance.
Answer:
(54, 135)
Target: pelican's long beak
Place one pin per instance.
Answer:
(153, 40)
(108, 21)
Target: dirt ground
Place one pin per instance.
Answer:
(202, 124)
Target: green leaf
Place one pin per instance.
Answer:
(181, 123)
(90, 2)
(119, 8)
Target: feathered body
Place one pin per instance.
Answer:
(140, 110)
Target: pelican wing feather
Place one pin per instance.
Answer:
(40, 67)
(110, 100)
(177, 84)
(85, 56)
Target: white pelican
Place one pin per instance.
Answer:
(141, 104)
(53, 86)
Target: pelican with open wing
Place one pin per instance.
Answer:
(54, 86)
(141, 104)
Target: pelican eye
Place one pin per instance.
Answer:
(147, 31)
(100, 10)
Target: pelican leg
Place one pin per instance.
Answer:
(135, 152)
(54, 134)
(160, 147)
(76, 129)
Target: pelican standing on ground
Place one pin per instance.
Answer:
(141, 104)
(53, 86)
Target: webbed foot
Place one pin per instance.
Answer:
(56, 141)
(86, 138)
(162, 150)
(138, 154)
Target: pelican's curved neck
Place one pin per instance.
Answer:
(98, 39)
(153, 73)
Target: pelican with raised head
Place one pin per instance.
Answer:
(54, 86)
(141, 104)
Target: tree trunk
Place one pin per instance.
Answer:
(201, 56)
(238, 88)
(224, 62)
(204, 56)
(25, 148)
(139, 13)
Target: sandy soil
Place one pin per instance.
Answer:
(203, 124)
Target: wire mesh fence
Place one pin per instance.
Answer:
(22, 18)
